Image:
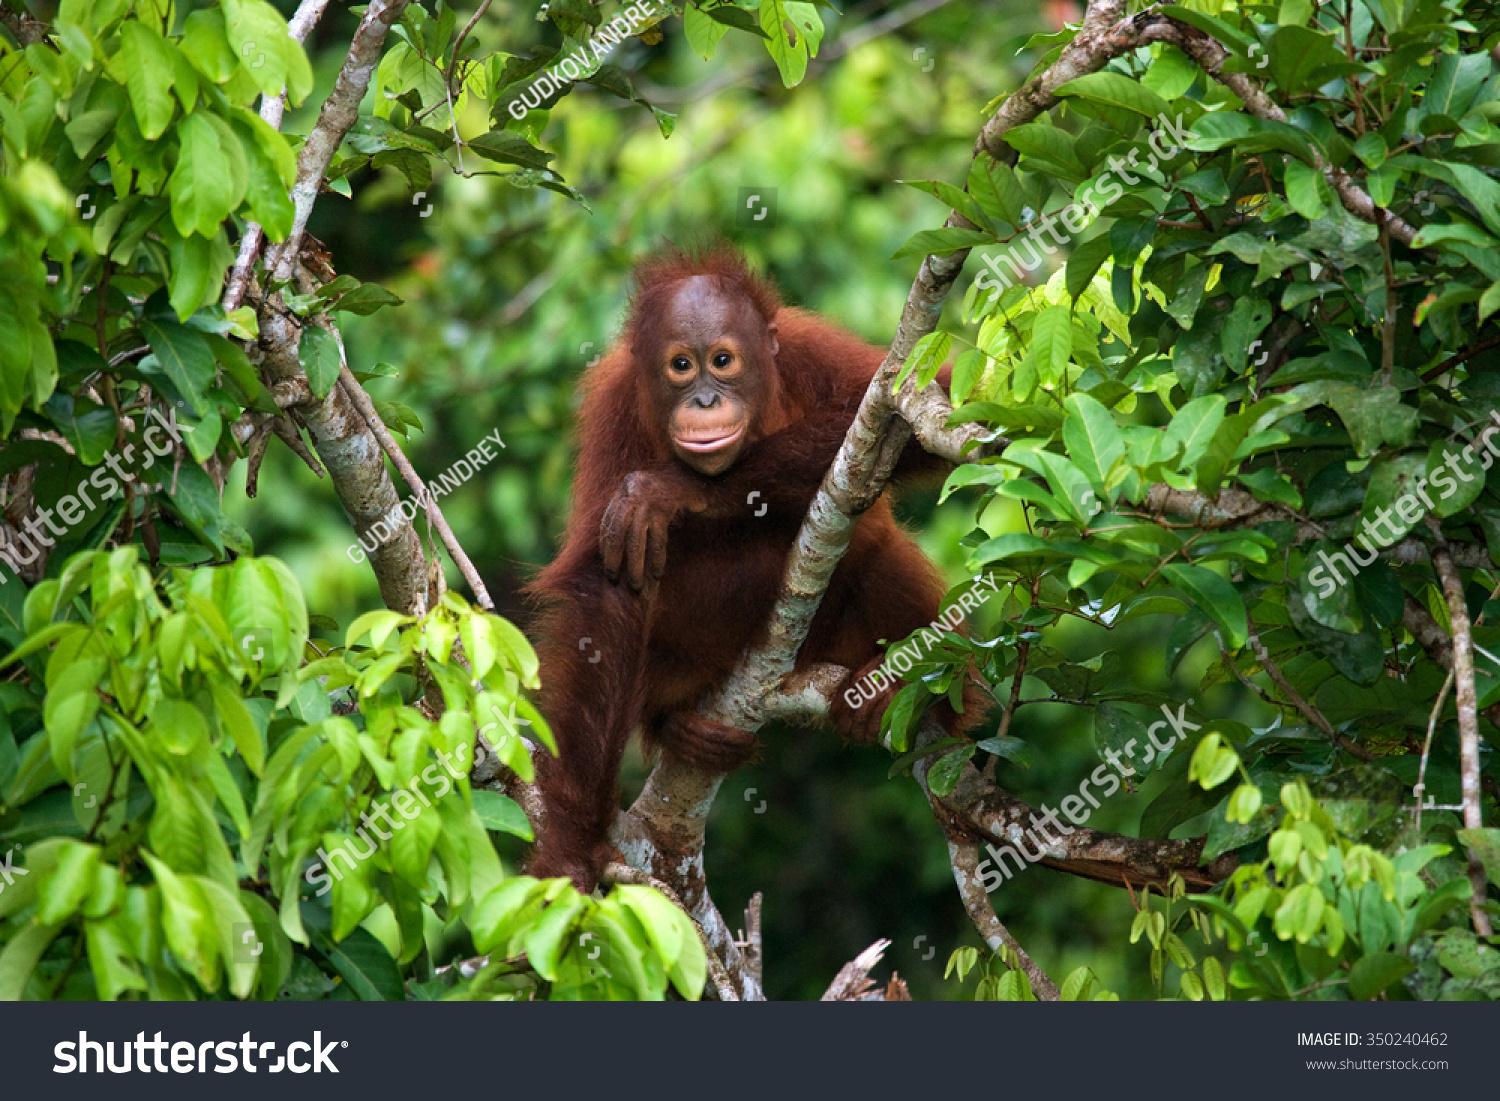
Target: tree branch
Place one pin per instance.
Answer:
(1468, 716)
(339, 113)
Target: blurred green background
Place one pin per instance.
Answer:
(509, 293)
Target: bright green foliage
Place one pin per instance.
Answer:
(195, 758)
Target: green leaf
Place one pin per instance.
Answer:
(941, 242)
(1116, 90)
(1193, 428)
(1248, 135)
(63, 889)
(703, 31)
(1215, 596)
(20, 958)
(318, 352)
(502, 813)
(1306, 190)
(1052, 342)
(508, 147)
(1372, 974)
(793, 31)
(184, 356)
(1085, 261)
(1093, 439)
(366, 966)
(145, 64)
(203, 187)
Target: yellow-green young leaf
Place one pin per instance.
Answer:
(177, 726)
(230, 922)
(1201, 766)
(690, 970)
(1489, 302)
(188, 923)
(523, 659)
(1177, 952)
(201, 187)
(1306, 190)
(1076, 986)
(1244, 804)
(479, 643)
(63, 889)
(962, 960)
(1052, 343)
(411, 847)
(112, 958)
(658, 916)
(20, 957)
(235, 719)
(1213, 979)
(926, 357)
(493, 919)
(377, 624)
(1014, 986)
(1192, 987)
(1297, 799)
(1093, 441)
(107, 892)
(703, 33)
(70, 705)
(145, 64)
(205, 44)
(353, 898)
(1333, 929)
(1300, 914)
(270, 55)
(1116, 90)
(547, 939)
(1284, 848)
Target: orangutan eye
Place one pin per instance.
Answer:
(681, 364)
(722, 359)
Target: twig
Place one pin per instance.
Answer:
(458, 49)
(1309, 712)
(271, 110)
(388, 444)
(1458, 357)
(964, 857)
(340, 111)
(1467, 703)
(1437, 709)
(853, 981)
